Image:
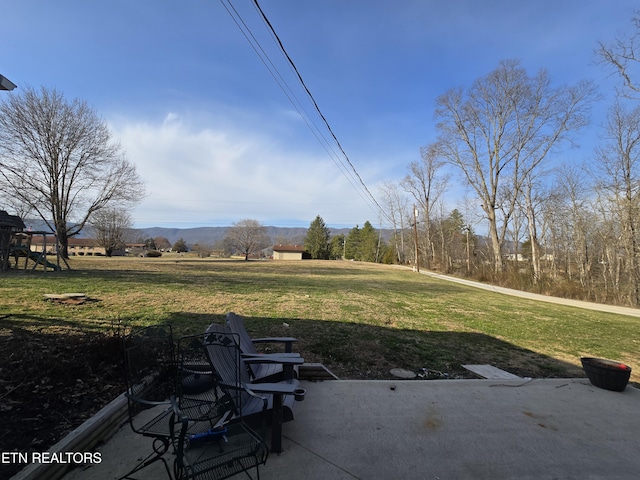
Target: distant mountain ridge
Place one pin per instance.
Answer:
(207, 235)
(212, 235)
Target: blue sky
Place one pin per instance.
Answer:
(215, 137)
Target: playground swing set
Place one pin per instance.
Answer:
(16, 244)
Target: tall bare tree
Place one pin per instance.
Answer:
(532, 200)
(574, 222)
(112, 228)
(426, 183)
(501, 129)
(57, 157)
(618, 173)
(396, 205)
(247, 236)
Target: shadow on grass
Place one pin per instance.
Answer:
(49, 324)
(357, 351)
(350, 350)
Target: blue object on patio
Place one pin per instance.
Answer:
(211, 434)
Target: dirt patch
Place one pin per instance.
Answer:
(52, 380)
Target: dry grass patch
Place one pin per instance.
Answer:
(347, 314)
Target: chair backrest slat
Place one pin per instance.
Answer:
(223, 348)
(237, 326)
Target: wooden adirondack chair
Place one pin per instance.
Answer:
(270, 371)
(257, 399)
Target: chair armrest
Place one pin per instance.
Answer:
(273, 388)
(274, 340)
(176, 408)
(281, 354)
(274, 358)
(286, 340)
(247, 388)
(251, 392)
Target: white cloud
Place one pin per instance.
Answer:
(198, 176)
(172, 118)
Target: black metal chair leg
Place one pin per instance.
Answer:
(153, 457)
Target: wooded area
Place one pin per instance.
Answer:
(568, 230)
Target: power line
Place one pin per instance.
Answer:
(282, 83)
(349, 172)
(315, 104)
(304, 86)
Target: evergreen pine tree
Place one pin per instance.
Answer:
(317, 240)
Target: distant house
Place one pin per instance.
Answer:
(77, 246)
(288, 252)
(81, 247)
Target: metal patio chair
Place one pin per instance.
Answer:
(226, 445)
(150, 377)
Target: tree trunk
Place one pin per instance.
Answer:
(498, 264)
(632, 253)
(63, 242)
(533, 238)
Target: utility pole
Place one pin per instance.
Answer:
(468, 252)
(415, 237)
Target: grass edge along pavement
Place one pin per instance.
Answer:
(381, 317)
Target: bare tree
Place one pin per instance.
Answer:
(453, 235)
(111, 227)
(533, 199)
(57, 157)
(623, 57)
(609, 245)
(426, 183)
(247, 236)
(396, 205)
(575, 223)
(618, 176)
(502, 129)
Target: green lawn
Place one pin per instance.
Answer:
(359, 319)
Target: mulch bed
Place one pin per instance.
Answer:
(52, 380)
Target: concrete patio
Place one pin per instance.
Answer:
(439, 429)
